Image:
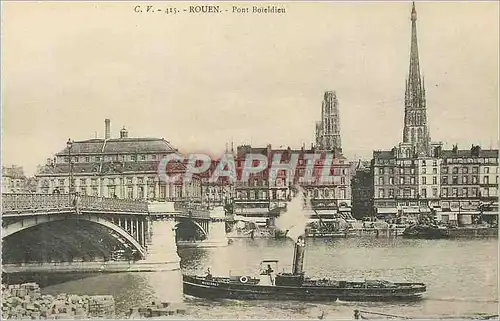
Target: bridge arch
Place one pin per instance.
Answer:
(27, 222)
(188, 229)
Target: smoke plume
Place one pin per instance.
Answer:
(295, 219)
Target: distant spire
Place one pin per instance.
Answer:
(415, 123)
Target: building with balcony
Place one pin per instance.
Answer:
(121, 167)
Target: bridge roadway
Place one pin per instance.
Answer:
(61, 233)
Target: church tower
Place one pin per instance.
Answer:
(328, 129)
(415, 130)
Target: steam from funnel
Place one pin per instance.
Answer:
(295, 219)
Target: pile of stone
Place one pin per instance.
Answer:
(25, 301)
(161, 310)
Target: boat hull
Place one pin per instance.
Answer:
(213, 289)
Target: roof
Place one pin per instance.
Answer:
(110, 168)
(490, 153)
(383, 154)
(119, 146)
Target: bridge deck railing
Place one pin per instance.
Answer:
(40, 202)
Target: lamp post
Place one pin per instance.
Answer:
(70, 145)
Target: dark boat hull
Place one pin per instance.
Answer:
(212, 289)
(425, 232)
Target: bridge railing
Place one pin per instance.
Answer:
(29, 202)
(44, 202)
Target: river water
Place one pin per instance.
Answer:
(461, 277)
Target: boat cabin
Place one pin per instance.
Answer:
(268, 270)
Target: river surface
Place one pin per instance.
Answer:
(461, 277)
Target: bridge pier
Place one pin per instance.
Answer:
(161, 248)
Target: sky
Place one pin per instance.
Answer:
(200, 81)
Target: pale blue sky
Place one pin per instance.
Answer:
(199, 81)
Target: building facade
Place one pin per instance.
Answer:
(14, 180)
(264, 196)
(116, 167)
(419, 177)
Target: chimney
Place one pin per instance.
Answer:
(107, 129)
(123, 133)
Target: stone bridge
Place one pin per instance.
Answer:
(63, 233)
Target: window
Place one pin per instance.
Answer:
(475, 170)
(464, 180)
(412, 180)
(342, 180)
(424, 170)
(435, 163)
(401, 180)
(424, 180)
(66, 159)
(381, 193)
(445, 170)
(130, 192)
(153, 157)
(140, 180)
(454, 180)
(381, 181)
(486, 170)
(391, 192)
(423, 193)
(445, 192)
(434, 180)
(111, 191)
(87, 159)
(486, 180)
(97, 158)
(133, 158)
(434, 192)
(391, 171)
(95, 192)
(391, 180)
(61, 182)
(474, 191)
(454, 192)
(143, 157)
(455, 170)
(474, 179)
(381, 170)
(465, 170)
(464, 192)
(445, 179)
(129, 180)
(434, 170)
(83, 181)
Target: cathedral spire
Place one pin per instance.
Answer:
(415, 124)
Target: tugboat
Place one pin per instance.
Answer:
(295, 286)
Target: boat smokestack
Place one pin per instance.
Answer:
(298, 256)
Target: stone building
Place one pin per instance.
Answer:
(13, 179)
(469, 180)
(328, 128)
(121, 167)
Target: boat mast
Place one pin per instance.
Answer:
(298, 256)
